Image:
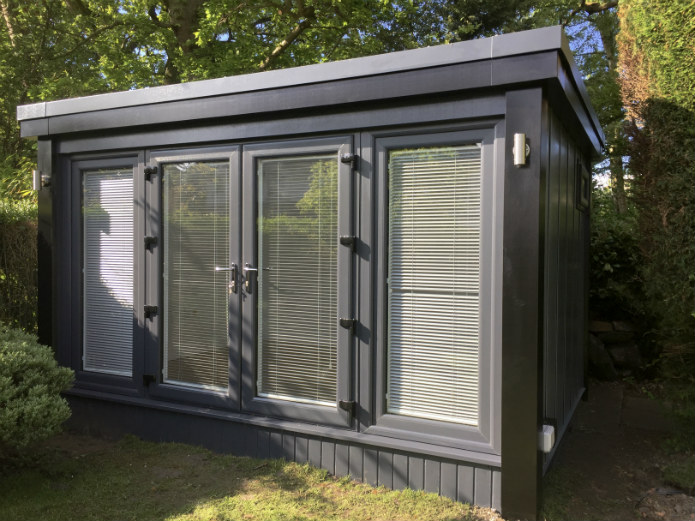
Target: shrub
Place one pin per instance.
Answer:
(18, 263)
(31, 408)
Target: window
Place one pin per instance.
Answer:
(437, 242)
(433, 283)
(107, 231)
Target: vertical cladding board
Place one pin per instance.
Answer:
(342, 459)
(315, 452)
(416, 473)
(356, 462)
(385, 471)
(371, 466)
(288, 446)
(301, 449)
(552, 266)
(400, 471)
(276, 445)
(432, 475)
(448, 480)
(482, 495)
(328, 456)
(465, 484)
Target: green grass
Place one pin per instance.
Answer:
(136, 480)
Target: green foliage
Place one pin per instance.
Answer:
(658, 70)
(31, 408)
(18, 263)
(615, 287)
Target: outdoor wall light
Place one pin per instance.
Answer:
(521, 149)
(40, 180)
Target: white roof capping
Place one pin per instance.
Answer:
(523, 42)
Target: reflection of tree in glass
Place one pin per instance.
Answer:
(315, 214)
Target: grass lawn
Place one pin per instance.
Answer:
(76, 478)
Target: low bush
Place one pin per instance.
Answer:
(18, 263)
(31, 408)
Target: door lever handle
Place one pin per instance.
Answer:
(248, 269)
(234, 269)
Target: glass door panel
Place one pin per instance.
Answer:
(196, 239)
(297, 278)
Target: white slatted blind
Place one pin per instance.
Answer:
(107, 212)
(433, 283)
(297, 249)
(196, 240)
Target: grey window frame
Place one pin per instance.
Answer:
(332, 416)
(120, 384)
(485, 437)
(154, 267)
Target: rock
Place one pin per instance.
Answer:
(621, 325)
(616, 337)
(625, 356)
(598, 326)
(600, 362)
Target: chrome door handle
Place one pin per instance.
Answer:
(232, 277)
(248, 269)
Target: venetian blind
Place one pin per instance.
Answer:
(196, 240)
(297, 306)
(107, 215)
(433, 283)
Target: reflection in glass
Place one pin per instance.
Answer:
(297, 282)
(196, 240)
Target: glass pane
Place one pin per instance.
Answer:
(297, 283)
(433, 283)
(107, 214)
(196, 240)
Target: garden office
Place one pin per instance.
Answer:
(378, 265)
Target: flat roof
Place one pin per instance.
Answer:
(505, 45)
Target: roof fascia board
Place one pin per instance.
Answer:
(523, 42)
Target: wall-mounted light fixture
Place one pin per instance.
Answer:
(521, 150)
(40, 180)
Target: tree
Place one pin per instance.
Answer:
(657, 67)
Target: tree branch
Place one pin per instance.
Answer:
(592, 8)
(8, 21)
(155, 18)
(284, 44)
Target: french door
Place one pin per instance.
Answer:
(254, 279)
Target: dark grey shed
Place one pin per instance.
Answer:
(194, 239)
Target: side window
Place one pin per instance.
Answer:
(433, 282)
(435, 235)
(107, 270)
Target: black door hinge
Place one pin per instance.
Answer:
(348, 405)
(150, 242)
(150, 311)
(349, 241)
(349, 158)
(150, 171)
(148, 379)
(347, 323)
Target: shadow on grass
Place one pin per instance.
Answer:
(80, 478)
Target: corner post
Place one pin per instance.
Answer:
(44, 245)
(522, 305)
